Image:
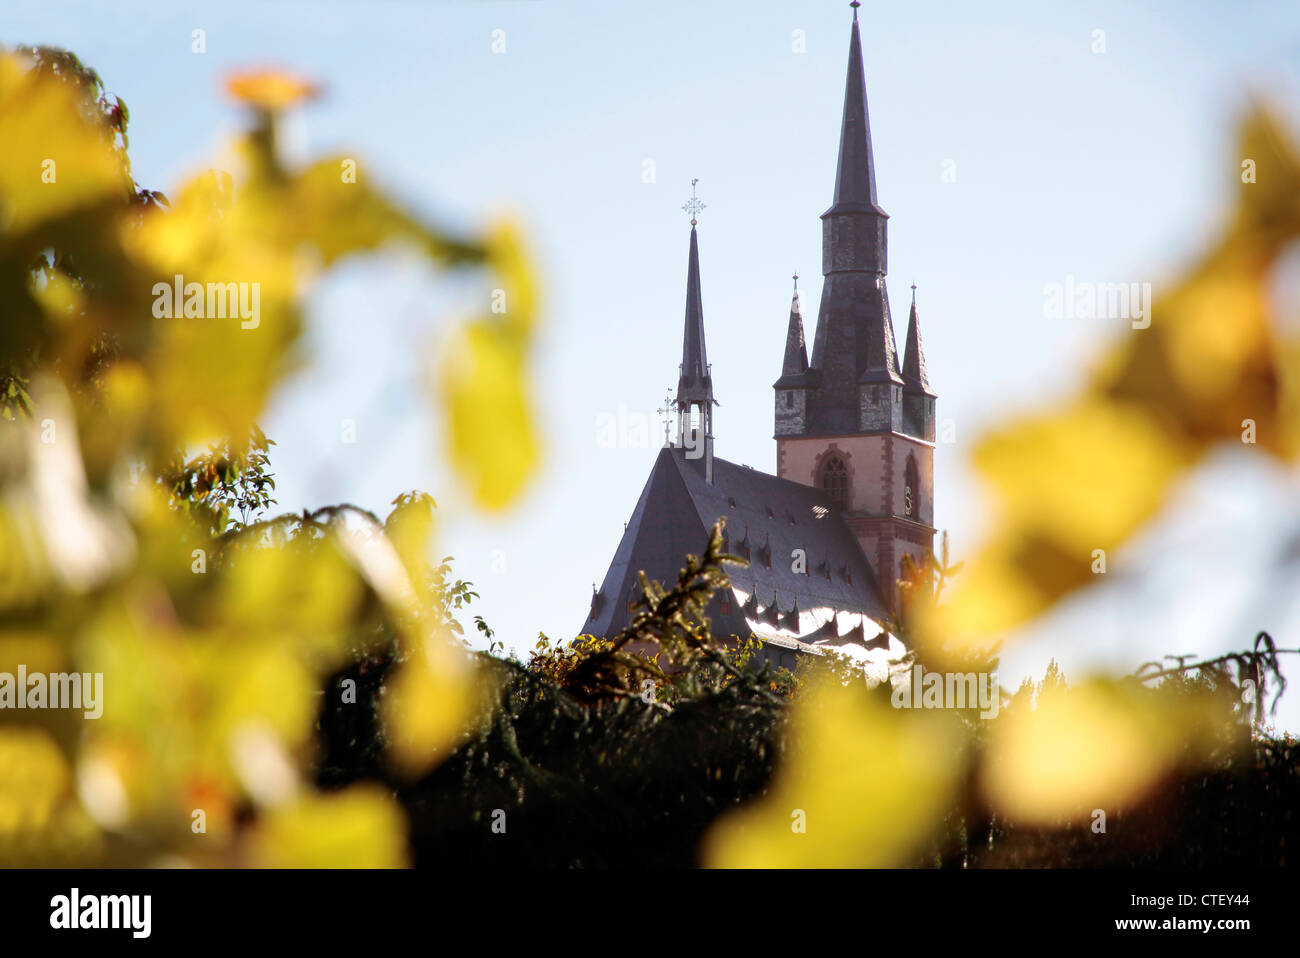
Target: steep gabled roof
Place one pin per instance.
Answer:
(769, 598)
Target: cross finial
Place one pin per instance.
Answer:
(693, 205)
(855, 6)
(665, 412)
(796, 282)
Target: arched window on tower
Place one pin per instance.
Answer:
(911, 489)
(835, 480)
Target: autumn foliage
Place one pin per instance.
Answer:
(295, 690)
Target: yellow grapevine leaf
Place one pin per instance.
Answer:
(1072, 485)
(432, 697)
(492, 436)
(1209, 358)
(863, 785)
(39, 652)
(56, 157)
(41, 822)
(1099, 745)
(358, 827)
(409, 527)
(518, 291)
(1085, 477)
(1075, 484)
(308, 590)
(34, 777)
(337, 211)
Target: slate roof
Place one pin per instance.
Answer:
(835, 604)
(880, 362)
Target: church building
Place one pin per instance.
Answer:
(853, 494)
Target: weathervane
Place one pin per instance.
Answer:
(693, 205)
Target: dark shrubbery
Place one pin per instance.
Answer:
(597, 756)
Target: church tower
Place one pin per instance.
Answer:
(850, 421)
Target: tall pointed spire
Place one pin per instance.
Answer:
(858, 383)
(694, 384)
(854, 347)
(796, 352)
(855, 174)
(915, 378)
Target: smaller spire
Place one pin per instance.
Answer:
(915, 378)
(796, 350)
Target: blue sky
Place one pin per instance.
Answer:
(1107, 167)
